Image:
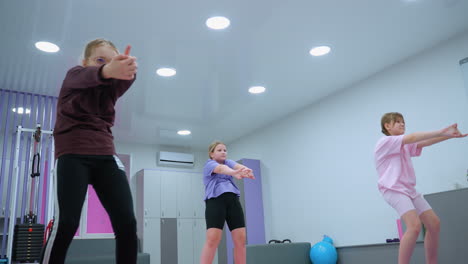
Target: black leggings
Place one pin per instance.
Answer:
(73, 174)
(225, 207)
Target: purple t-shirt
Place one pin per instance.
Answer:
(85, 112)
(217, 184)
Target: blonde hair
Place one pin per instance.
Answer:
(389, 118)
(94, 44)
(212, 147)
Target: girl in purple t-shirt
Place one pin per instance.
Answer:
(397, 181)
(222, 203)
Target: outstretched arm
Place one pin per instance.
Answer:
(429, 142)
(224, 169)
(425, 139)
(248, 173)
(122, 67)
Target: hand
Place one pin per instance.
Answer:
(452, 132)
(127, 50)
(238, 174)
(248, 173)
(122, 67)
(460, 135)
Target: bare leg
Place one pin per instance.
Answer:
(431, 241)
(408, 241)
(213, 237)
(238, 237)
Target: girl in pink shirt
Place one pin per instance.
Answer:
(397, 181)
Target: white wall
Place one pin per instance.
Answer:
(317, 164)
(145, 157)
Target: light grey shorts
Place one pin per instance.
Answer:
(402, 203)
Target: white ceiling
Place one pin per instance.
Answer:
(267, 44)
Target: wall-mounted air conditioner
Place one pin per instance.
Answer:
(175, 159)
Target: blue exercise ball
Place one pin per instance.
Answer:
(324, 252)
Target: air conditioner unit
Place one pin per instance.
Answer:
(175, 159)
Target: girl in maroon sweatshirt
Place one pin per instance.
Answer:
(85, 153)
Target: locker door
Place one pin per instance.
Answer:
(152, 193)
(185, 241)
(184, 196)
(168, 194)
(152, 239)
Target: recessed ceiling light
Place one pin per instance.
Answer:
(217, 22)
(21, 110)
(166, 72)
(47, 46)
(319, 51)
(256, 89)
(184, 132)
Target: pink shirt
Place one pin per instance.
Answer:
(394, 166)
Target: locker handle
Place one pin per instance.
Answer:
(146, 211)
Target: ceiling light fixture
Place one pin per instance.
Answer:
(257, 89)
(21, 110)
(184, 132)
(166, 72)
(319, 51)
(217, 22)
(47, 46)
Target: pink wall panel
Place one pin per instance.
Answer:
(98, 221)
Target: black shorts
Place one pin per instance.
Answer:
(225, 207)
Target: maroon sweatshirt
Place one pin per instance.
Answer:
(85, 112)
